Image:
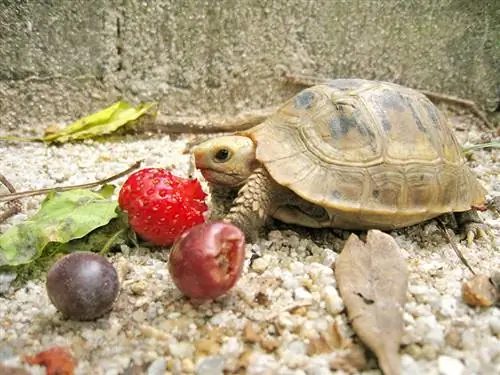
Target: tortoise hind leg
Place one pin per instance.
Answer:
(471, 225)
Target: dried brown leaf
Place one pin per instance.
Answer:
(373, 280)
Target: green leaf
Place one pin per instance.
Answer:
(63, 217)
(97, 124)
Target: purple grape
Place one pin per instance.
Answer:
(82, 285)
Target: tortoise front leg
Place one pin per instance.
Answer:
(254, 204)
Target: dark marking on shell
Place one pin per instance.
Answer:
(379, 111)
(433, 114)
(375, 193)
(304, 100)
(390, 101)
(416, 116)
(393, 100)
(343, 122)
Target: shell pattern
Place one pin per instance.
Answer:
(371, 151)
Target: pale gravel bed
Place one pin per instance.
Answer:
(289, 292)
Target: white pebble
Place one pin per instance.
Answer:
(329, 257)
(261, 364)
(181, 349)
(289, 280)
(231, 348)
(158, 366)
(409, 365)
(450, 366)
(210, 366)
(495, 326)
(448, 306)
(429, 330)
(297, 268)
(301, 294)
(334, 304)
(260, 264)
(318, 365)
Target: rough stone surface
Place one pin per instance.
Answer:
(61, 60)
(285, 314)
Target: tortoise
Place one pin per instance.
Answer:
(352, 154)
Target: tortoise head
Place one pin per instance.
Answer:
(226, 161)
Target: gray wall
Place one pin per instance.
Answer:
(61, 59)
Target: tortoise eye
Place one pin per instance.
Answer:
(222, 155)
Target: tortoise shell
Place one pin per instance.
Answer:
(372, 153)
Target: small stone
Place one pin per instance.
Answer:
(329, 257)
(297, 348)
(495, 326)
(453, 338)
(429, 352)
(409, 365)
(334, 304)
(269, 344)
(260, 264)
(207, 346)
(301, 294)
(418, 290)
(259, 363)
(421, 293)
(299, 310)
(139, 316)
(429, 330)
(181, 349)
(232, 348)
(6, 278)
(187, 366)
(297, 268)
(251, 333)
(158, 367)
(469, 341)
(289, 281)
(450, 366)
(448, 306)
(138, 287)
(210, 366)
(479, 291)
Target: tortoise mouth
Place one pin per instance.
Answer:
(222, 178)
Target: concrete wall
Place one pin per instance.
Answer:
(62, 59)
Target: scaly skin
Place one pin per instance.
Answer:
(254, 204)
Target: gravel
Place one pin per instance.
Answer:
(283, 313)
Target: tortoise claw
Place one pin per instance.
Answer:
(474, 231)
(472, 227)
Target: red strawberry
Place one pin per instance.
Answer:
(161, 206)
